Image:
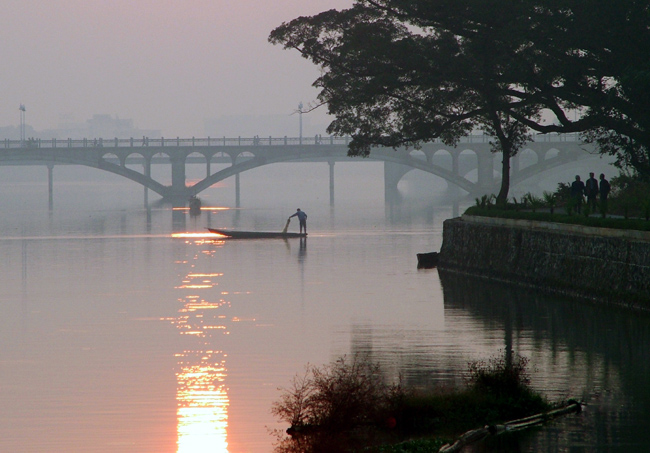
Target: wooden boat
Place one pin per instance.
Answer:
(428, 260)
(235, 234)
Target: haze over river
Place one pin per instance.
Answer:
(118, 334)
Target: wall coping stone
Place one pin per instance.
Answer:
(635, 235)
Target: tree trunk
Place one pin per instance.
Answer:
(502, 198)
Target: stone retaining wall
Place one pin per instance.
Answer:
(602, 264)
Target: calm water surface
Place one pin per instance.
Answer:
(120, 334)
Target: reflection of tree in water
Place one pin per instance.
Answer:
(414, 366)
(600, 353)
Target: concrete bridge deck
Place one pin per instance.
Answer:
(119, 156)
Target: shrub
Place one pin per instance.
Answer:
(486, 201)
(499, 375)
(346, 406)
(630, 197)
(563, 192)
(533, 201)
(503, 384)
(550, 199)
(336, 407)
(337, 397)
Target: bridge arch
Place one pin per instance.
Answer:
(463, 163)
(551, 153)
(96, 161)
(116, 156)
(111, 156)
(261, 159)
(526, 157)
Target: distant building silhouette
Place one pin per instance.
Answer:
(99, 126)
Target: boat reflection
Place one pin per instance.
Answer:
(201, 390)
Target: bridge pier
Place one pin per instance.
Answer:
(331, 165)
(455, 165)
(485, 179)
(50, 186)
(147, 171)
(237, 198)
(178, 174)
(392, 174)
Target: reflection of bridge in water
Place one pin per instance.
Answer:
(470, 165)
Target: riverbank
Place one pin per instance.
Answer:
(347, 406)
(599, 264)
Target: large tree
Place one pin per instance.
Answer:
(585, 56)
(390, 80)
(400, 72)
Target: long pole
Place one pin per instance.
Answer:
(22, 125)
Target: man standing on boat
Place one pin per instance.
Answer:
(302, 218)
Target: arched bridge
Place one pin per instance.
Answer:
(470, 165)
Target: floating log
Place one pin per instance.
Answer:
(477, 435)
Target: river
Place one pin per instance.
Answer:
(127, 329)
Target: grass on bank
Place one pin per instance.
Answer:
(627, 207)
(347, 407)
(573, 219)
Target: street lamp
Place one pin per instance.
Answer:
(22, 125)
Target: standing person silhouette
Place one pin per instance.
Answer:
(604, 189)
(577, 192)
(591, 190)
(302, 218)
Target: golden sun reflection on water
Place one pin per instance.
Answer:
(201, 235)
(203, 208)
(202, 415)
(201, 394)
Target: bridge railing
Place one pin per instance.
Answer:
(34, 143)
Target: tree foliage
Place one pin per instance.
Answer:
(402, 72)
(379, 79)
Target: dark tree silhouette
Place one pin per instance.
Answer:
(403, 72)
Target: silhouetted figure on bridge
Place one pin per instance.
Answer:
(302, 218)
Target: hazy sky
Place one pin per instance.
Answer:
(168, 65)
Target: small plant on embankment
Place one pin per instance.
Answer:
(550, 200)
(627, 207)
(347, 406)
